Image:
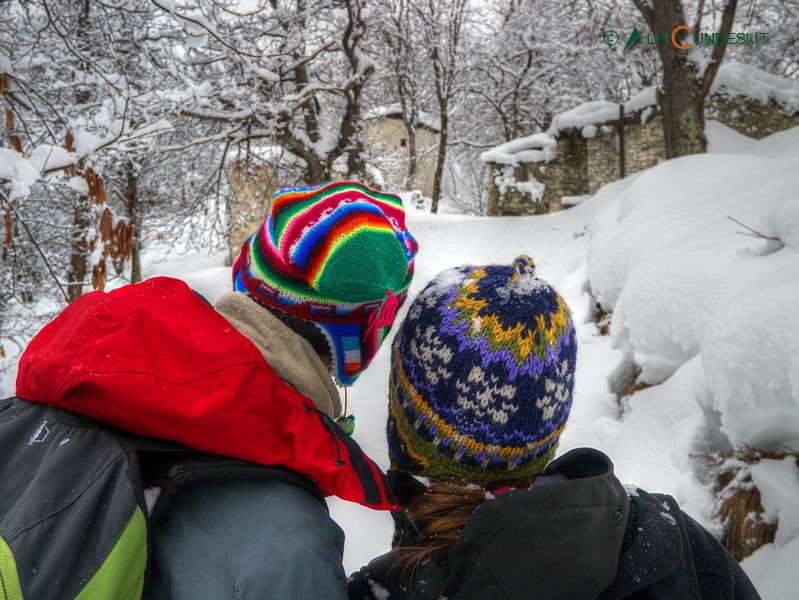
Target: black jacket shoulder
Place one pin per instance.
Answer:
(577, 534)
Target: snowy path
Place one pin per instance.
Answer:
(558, 244)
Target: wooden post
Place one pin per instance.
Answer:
(621, 141)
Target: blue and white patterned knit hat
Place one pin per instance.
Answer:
(482, 375)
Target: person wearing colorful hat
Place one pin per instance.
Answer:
(253, 378)
(481, 386)
(338, 256)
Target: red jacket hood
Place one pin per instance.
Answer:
(155, 359)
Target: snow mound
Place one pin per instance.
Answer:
(773, 567)
(750, 351)
(773, 570)
(725, 140)
(682, 283)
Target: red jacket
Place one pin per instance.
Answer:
(154, 359)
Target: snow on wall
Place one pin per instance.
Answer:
(539, 147)
(588, 113)
(732, 79)
(593, 113)
(738, 78)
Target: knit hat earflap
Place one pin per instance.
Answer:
(482, 375)
(338, 255)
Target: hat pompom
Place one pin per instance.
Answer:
(524, 264)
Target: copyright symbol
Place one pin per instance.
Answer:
(610, 37)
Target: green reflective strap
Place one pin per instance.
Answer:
(121, 575)
(9, 581)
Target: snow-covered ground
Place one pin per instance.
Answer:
(709, 315)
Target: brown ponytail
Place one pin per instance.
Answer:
(443, 511)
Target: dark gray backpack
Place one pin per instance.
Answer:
(74, 520)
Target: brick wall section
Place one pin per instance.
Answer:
(748, 116)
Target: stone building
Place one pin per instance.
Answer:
(607, 146)
(387, 141)
(577, 155)
(588, 147)
(584, 150)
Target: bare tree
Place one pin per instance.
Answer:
(443, 25)
(84, 90)
(780, 18)
(293, 76)
(401, 76)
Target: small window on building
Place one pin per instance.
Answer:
(403, 142)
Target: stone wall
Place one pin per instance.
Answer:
(567, 175)
(644, 147)
(582, 166)
(644, 144)
(510, 190)
(602, 160)
(749, 117)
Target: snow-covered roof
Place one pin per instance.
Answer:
(732, 78)
(601, 111)
(395, 111)
(538, 147)
(736, 78)
(587, 113)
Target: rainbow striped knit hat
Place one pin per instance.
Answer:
(338, 255)
(482, 375)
